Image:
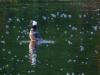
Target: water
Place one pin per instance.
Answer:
(72, 37)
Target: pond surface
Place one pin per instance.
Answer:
(75, 30)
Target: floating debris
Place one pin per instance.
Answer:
(3, 42)
(80, 16)
(7, 32)
(63, 15)
(53, 15)
(7, 26)
(84, 16)
(74, 61)
(92, 33)
(57, 13)
(69, 42)
(58, 28)
(95, 28)
(9, 52)
(69, 16)
(61, 69)
(18, 20)
(65, 32)
(96, 52)
(81, 48)
(3, 49)
(67, 73)
(70, 25)
(74, 28)
(73, 73)
(70, 60)
(26, 56)
(82, 73)
(44, 17)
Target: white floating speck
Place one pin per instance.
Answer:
(77, 56)
(12, 58)
(18, 73)
(3, 42)
(70, 60)
(10, 19)
(3, 49)
(26, 56)
(7, 32)
(58, 28)
(86, 63)
(92, 33)
(47, 45)
(61, 69)
(74, 28)
(80, 16)
(22, 18)
(74, 61)
(65, 40)
(70, 25)
(7, 26)
(6, 66)
(87, 58)
(73, 73)
(97, 9)
(47, 64)
(32, 71)
(57, 25)
(57, 13)
(95, 28)
(63, 15)
(69, 42)
(14, 26)
(53, 15)
(9, 52)
(82, 32)
(81, 39)
(17, 60)
(0, 69)
(71, 35)
(81, 48)
(28, 71)
(44, 17)
(65, 32)
(96, 52)
(84, 15)
(52, 19)
(98, 14)
(15, 56)
(67, 73)
(69, 16)
(82, 73)
(18, 20)
(18, 37)
(82, 62)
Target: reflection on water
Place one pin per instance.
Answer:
(76, 33)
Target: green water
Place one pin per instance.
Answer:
(76, 33)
